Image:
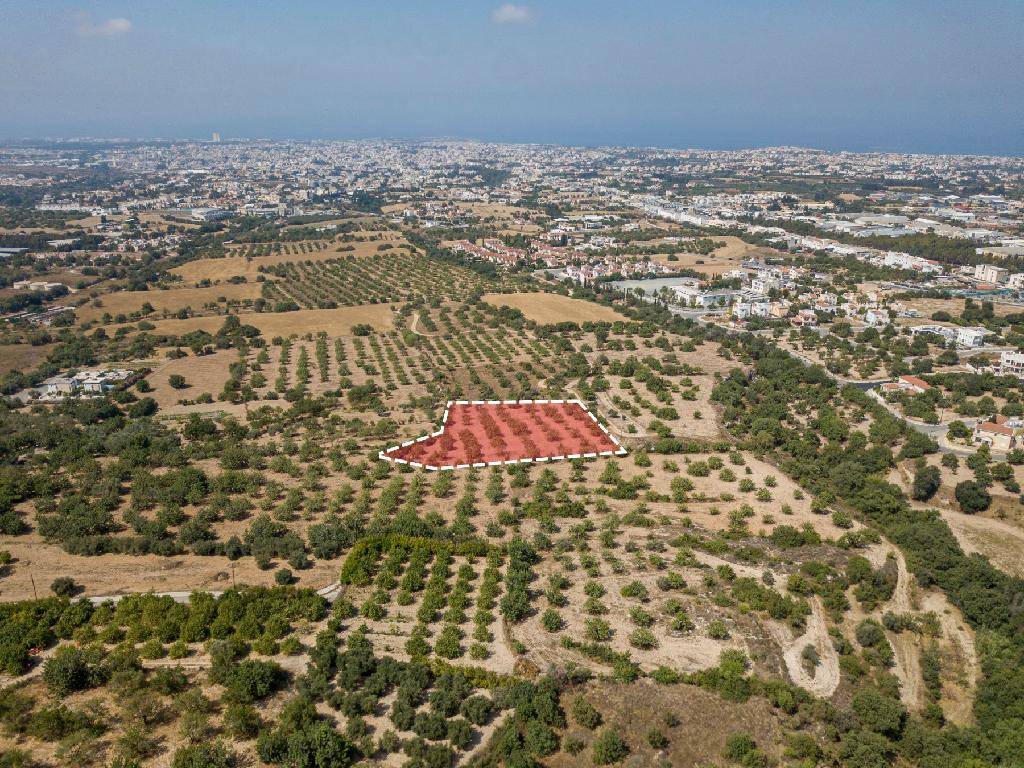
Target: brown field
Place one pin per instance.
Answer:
(334, 322)
(553, 308)
(954, 306)
(170, 300)
(240, 266)
(29, 230)
(997, 533)
(498, 210)
(22, 357)
(70, 278)
(735, 248)
(723, 259)
(707, 265)
(706, 722)
(205, 373)
(112, 574)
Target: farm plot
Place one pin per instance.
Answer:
(167, 302)
(338, 321)
(249, 261)
(423, 598)
(546, 308)
(479, 433)
(402, 367)
(395, 276)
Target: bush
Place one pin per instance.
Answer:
(242, 721)
(552, 620)
(738, 746)
(447, 645)
(972, 497)
(169, 680)
(878, 712)
(477, 709)
(251, 680)
(283, 576)
(597, 629)
(72, 669)
(585, 713)
(643, 639)
(717, 630)
(609, 748)
(205, 755)
(926, 483)
(657, 739)
(64, 586)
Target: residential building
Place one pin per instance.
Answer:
(1012, 364)
(1000, 433)
(969, 338)
(805, 318)
(990, 273)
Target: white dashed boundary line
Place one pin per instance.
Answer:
(620, 451)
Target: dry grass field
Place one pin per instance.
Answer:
(22, 357)
(724, 259)
(334, 322)
(735, 248)
(954, 306)
(112, 574)
(705, 722)
(205, 373)
(997, 533)
(553, 308)
(498, 210)
(170, 300)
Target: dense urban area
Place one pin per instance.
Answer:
(444, 453)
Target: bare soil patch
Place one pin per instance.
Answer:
(334, 322)
(547, 308)
(110, 574)
(706, 721)
(125, 302)
(22, 357)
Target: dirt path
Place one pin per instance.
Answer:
(826, 675)
(331, 593)
(414, 327)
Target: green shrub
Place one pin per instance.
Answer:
(585, 713)
(608, 748)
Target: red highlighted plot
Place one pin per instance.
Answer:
(490, 432)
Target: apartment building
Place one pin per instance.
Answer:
(990, 273)
(1011, 364)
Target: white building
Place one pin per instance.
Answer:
(744, 309)
(970, 337)
(965, 338)
(991, 273)
(1012, 364)
(693, 296)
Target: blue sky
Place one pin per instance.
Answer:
(907, 75)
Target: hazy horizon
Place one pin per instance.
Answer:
(923, 77)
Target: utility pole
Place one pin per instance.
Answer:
(32, 578)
